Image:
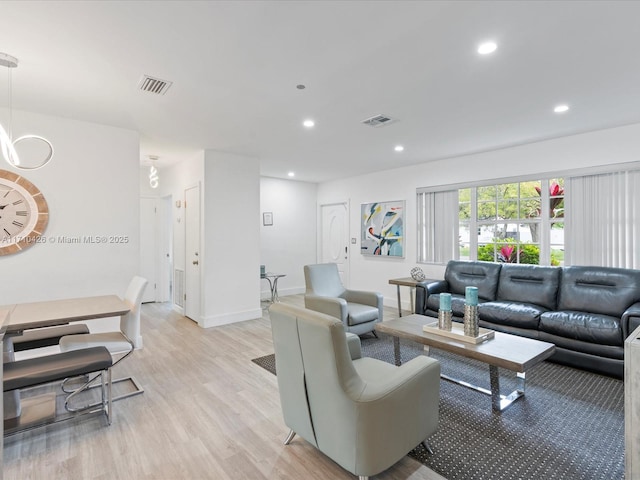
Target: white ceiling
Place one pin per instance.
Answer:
(235, 67)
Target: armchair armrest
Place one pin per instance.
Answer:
(335, 307)
(402, 408)
(373, 299)
(406, 378)
(630, 320)
(354, 345)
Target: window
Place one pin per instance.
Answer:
(525, 220)
(516, 222)
(508, 222)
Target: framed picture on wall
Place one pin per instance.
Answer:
(267, 219)
(382, 225)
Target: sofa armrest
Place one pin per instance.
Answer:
(630, 320)
(424, 289)
(332, 306)
(354, 345)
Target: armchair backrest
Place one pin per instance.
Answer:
(323, 279)
(130, 323)
(316, 378)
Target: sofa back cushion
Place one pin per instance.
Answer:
(484, 275)
(529, 284)
(604, 290)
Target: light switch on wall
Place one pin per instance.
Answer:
(353, 241)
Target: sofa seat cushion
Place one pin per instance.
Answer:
(358, 313)
(587, 327)
(457, 304)
(607, 351)
(522, 315)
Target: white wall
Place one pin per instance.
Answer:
(231, 249)
(92, 189)
(290, 243)
(617, 145)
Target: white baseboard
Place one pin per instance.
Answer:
(225, 319)
(282, 292)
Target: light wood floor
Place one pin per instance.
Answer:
(208, 412)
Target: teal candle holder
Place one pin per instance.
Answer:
(471, 296)
(445, 301)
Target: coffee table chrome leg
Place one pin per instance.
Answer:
(396, 351)
(498, 402)
(494, 378)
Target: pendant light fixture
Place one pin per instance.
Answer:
(7, 142)
(154, 179)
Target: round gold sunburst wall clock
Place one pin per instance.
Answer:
(24, 213)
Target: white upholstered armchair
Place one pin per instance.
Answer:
(363, 413)
(358, 310)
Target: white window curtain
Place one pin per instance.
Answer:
(437, 226)
(602, 215)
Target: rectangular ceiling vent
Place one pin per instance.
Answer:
(378, 121)
(154, 85)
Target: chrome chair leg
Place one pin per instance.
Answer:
(137, 388)
(109, 397)
(292, 434)
(427, 447)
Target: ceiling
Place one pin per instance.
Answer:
(235, 67)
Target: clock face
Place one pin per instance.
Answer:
(23, 213)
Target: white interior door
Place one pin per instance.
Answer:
(334, 241)
(192, 253)
(149, 247)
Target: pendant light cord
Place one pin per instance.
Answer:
(10, 78)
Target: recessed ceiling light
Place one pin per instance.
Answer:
(308, 123)
(291, 174)
(398, 148)
(561, 108)
(486, 48)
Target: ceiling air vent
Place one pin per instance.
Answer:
(378, 121)
(154, 85)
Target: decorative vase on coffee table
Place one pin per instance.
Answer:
(444, 313)
(471, 321)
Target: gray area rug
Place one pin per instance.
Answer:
(569, 425)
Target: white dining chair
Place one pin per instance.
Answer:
(121, 343)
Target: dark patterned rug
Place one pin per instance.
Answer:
(570, 424)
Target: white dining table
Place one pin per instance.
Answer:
(15, 318)
(23, 316)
